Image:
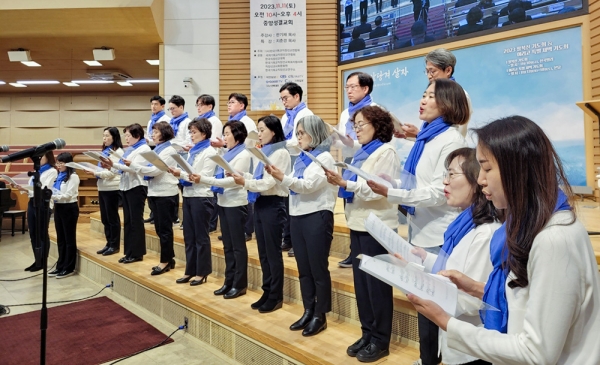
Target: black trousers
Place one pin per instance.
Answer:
(37, 246)
(234, 245)
(378, 5)
(65, 221)
(363, 8)
(312, 235)
(163, 224)
(373, 297)
(249, 226)
(428, 341)
(133, 220)
(109, 213)
(269, 218)
(214, 216)
(196, 215)
(348, 12)
(287, 234)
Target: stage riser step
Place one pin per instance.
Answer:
(404, 326)
(234, 345)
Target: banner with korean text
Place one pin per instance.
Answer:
(277, 50)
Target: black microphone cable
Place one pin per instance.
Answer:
(151, 347)
(29, 277)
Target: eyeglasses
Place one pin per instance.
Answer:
(431, 72)
(172, 108)
(230, 102)
(351, 87)
(199, 105)
(359, 127)
(300, 134)
(58, 164)
(448, 175)
(284, 98)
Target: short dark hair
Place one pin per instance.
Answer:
(238, 129)
(241, 98)
(451, 101)
(165, 130)
(135, 130)
(202, 125)
(292, 88)
(380, 119)
(419, 27)
(274, 125)
(378, 20)
(355, 33)
(158, 98)
(50, 157)
(66, 157)
(483, 209)
(177, 100)
(116, 137)
(206, 99)
(474, 15)
(364, 79)
(363, 19)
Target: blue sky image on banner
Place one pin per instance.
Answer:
(537, 76)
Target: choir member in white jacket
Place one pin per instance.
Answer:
(545, 277)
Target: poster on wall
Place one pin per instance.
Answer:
(277, 50)
(537, 76)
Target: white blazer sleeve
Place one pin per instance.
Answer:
(281, 159)
(70, 191)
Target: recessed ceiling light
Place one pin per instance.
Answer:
(92, 82)
(31, 63)
(153, 62)
(17, 84)
(38, 82)
(149, 81)
(92, 63)
(124, 83)
(71, 84)
(2, 83)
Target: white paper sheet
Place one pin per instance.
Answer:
(86, 166)
(177, 147)
(224, 164)
(95, 155)
(253, 135)
(314, 159)
(411, 280)
(13, 182)
(183, 163)
(260, 155)
(364, 175)
(153, 158)
(116, 154)
(389, 239)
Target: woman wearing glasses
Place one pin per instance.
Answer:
(420, 190)
(312, 201)
(374, 129)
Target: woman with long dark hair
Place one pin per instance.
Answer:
(65, 192)
(269, 211)
(109, 193)
(545, 277)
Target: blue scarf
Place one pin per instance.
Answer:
(154, 118)
(302, 163)
(59, 179)
(105, 153)
(459, 228)
(208, 114)
(194, 151)
(238, 116)
(288, 129)
(175, 122)
(158, 149)
(45, 167)
(130, 149)
(428, 132)
(495, 289)
(359, 158)
(353, 108)
(259, 170)
(229, 155)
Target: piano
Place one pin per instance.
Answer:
(6, 202)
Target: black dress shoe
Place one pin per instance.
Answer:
(248, 237)
(353, 349)
(111, 251)
(28, 268)
(129, 260)
(35, 268)
(234, 293)
(270, 306)
(371, 353)
(123, 259)
(286, 246)
(263, 299)
(303, 321)
(199, 282)
(103, 250)
(183, 280)
(158, 271)
(291, 252)
(224, 289)
(220, 238)
(317, 324)
(346, 263)
(149, 220)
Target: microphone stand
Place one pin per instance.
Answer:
(41, 205)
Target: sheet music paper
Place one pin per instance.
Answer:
(116, 154)
(260, 155)
(95, 155)
(253, 135)
(314, 159)
(364, 175)
(177, 147)
(154, 159)
(84, 166)
(389, 239)
(13, 182)
(224, 164)
(183, 163)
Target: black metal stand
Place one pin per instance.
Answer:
(41, 204)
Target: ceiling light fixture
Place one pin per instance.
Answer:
(153, 62)
(92, 63)
(92, 82)
(38, 82)
(2, 83)
(19, 55)
(31, 64)
(70, 84)
(104, 54)
(17, 84)
(149, 81)
(124, 83)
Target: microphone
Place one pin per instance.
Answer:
(4, 148)
(37, 151)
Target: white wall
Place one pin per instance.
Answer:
(191, 49)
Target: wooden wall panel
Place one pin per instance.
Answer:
(84, 103)
(122, 118)
(80, 135)
(32, 136)
(35, 103)
(234, 60)
(131, 103)
(4, 104)
(594, 44)
(35, 119)
(4, 121)
(70, 118)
